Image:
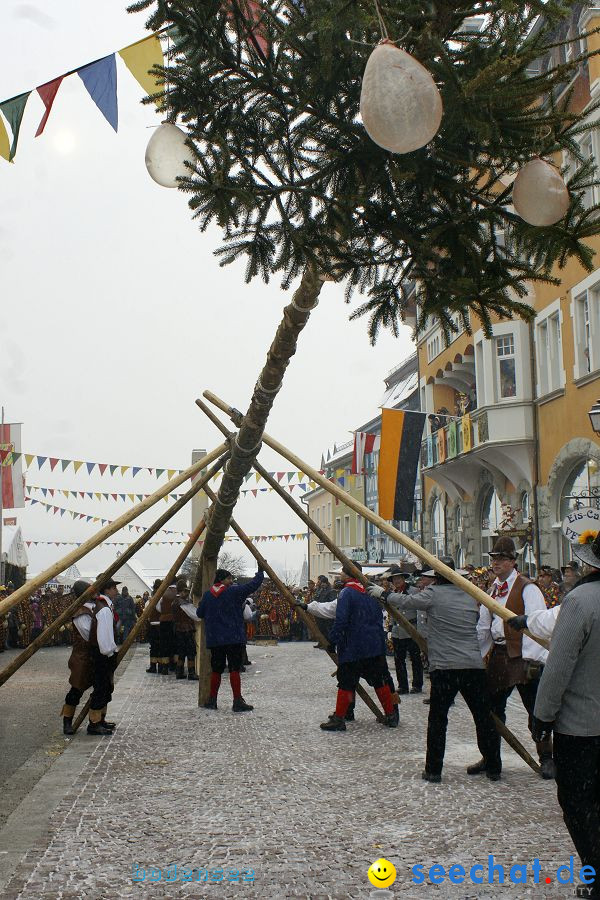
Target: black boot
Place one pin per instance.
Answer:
(98, 728)
(192, 676)
(334, 723)
(151, 669)
(163, 669)
(68, 725)
(240, 705)
(477, 768)
(180, 673)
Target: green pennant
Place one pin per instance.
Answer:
(113, 469)
(13, 112)
(159, 472)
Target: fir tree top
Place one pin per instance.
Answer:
(270, 95)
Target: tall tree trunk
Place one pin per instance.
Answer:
(247, 442)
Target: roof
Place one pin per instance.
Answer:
(13, 547)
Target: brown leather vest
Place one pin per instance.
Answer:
(181, 620)
(100, 604)
(516, 604)
(166, 614)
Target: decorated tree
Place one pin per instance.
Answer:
(385, 176)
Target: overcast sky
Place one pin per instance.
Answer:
(115, 314)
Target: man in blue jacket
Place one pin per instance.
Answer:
(222, 608)
(359, 638)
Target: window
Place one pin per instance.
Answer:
(323, 515)
(549, 355)
(346, 531)
(317, 516)
(507, 374)
(360, 531)
(585, 314)
(491, 515)
(525, 508)
(434, 346)
(438, 529)
(581, 489)
(329, 514)
(458, 518)
(573, 164)
(338, 531)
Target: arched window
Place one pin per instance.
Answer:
(460, 558)
(525, 508)
(458, 517)
(438, 528)
(491, 516)
(581, 489)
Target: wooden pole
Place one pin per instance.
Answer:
(65, 616)
(147, 612)
(475, 592)
(412, 546)
(28, 589)
(322, 535)
(289, 597)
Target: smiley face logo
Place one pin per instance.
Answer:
(381, 873)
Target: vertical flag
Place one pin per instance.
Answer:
(100, 79)
(363, 443)
(10, 467)
(401, 435)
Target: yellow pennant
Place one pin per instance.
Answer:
(77, 463)
(124, 469)
(4, 142)
(29, 457)
(140, 58)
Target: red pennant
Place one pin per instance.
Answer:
(280, 475)
(53, 463)
(102, 467)
(47, 92)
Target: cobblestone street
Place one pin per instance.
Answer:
(268, 791)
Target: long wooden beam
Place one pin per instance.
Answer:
(432, 561)
(66, 615)
(291, 600)
(151, 606)
(28, 589)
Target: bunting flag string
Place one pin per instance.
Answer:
(254, 538)
(100, 79)
(133, 498)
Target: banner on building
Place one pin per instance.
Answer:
(401, 436)
(13, 496)
(363, 443)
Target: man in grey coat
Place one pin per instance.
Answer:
(568, 703)
(455, 665)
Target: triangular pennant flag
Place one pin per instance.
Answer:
(65, 463)
(124, 469)
(77, 464)
(28, 459)
(135, 470)
(100, 79)
(170, 474)
(102, 467)
(258, 476)
(290, 475)
(13, 112)
(159, 472)
(121, 497)
(41, 460)
(131, 497)
(113, 469)
(47, 92)
(292, 486)
(51, 491)
(44, 491)
(254, 493)
(140, 497)
(66, 493)
(53, 463)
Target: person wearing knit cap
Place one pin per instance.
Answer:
(81, 660)
(222, 608)
(568, 705)
(359, 640)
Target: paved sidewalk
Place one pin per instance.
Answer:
(268, 791)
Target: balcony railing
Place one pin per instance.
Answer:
(498, 424)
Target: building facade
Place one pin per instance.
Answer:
(509, 443)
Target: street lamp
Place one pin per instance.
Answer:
(320, 546)
(594, 415)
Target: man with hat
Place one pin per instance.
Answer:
(456, 667)
(568, 704)
(164, 608)
(81, 661)
(104, 657)
(402, 641)
(515, 660)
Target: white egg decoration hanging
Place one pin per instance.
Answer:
(540, 195)
(166, 154)
(400, 103)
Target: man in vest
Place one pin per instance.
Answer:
(222, 608)
(515, 660)
(184, 624)
(81, 661)
(568, 703)
(167, 632)
(104, 655)
(153, 632)
(402, 642)
(359, 640)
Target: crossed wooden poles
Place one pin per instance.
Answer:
(221, 454)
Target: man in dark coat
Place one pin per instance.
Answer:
(222, 608)
(359, 639)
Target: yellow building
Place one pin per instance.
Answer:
(524, 453)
